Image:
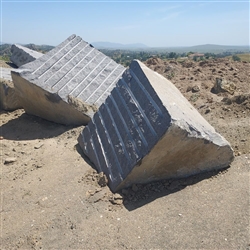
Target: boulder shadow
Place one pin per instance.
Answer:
(12, 65)
(30, 127)
(141, 194)
(84, 157)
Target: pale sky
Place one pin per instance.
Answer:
(154, 23)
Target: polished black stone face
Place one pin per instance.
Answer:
(126, 127)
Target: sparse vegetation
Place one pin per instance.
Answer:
(244, 57)
(235, 58)
(125, 57)
(5, 50)
(5, 58)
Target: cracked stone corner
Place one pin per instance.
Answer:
(82, 106)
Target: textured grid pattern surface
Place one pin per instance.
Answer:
(125, 128)
(75, 68)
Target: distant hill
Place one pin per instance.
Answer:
(205, 48)
(109, 45)
(39, 48)
(5, 49)
(210, 48)
(218, 48)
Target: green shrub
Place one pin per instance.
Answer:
(236, 58)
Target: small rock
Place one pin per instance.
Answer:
(89, 177)
(202, 106)
(90, 192)
(222, 85)
(117, 199)
(38, 146)
(207, 110)
(117, 196)
(102, 179)
(9, 160)
(1, 137)
(195, 89)
(117, 202)
(98, 196)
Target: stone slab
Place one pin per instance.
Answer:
(9, 99)
(68, 84)
(5, 73)
(147, 130)
(22, 55)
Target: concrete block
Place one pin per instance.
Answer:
(68, 84)
(22, 55)
(146, 130)
(9, 99)
(5, 73)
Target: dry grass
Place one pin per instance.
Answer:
(244, 57)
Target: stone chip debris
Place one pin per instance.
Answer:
(146, 130)
(68, 84)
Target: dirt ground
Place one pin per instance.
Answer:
(51, 199)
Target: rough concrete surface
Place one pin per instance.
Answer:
(68, 84)
(8, 97)
(5, 73)
(22, 55)
(147, 130)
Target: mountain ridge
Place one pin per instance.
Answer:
(111, 45)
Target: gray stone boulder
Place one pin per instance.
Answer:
(22, 55)
(68, 84)
(222, 85)
(146, 130)
(9, 99)
(5, 73)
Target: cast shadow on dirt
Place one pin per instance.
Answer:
(12, 65)
(29, 127)
(141, 194)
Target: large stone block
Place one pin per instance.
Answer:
(146, 130)
(22, 55)
(5, 73)
(68, 84)
(9, 99)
